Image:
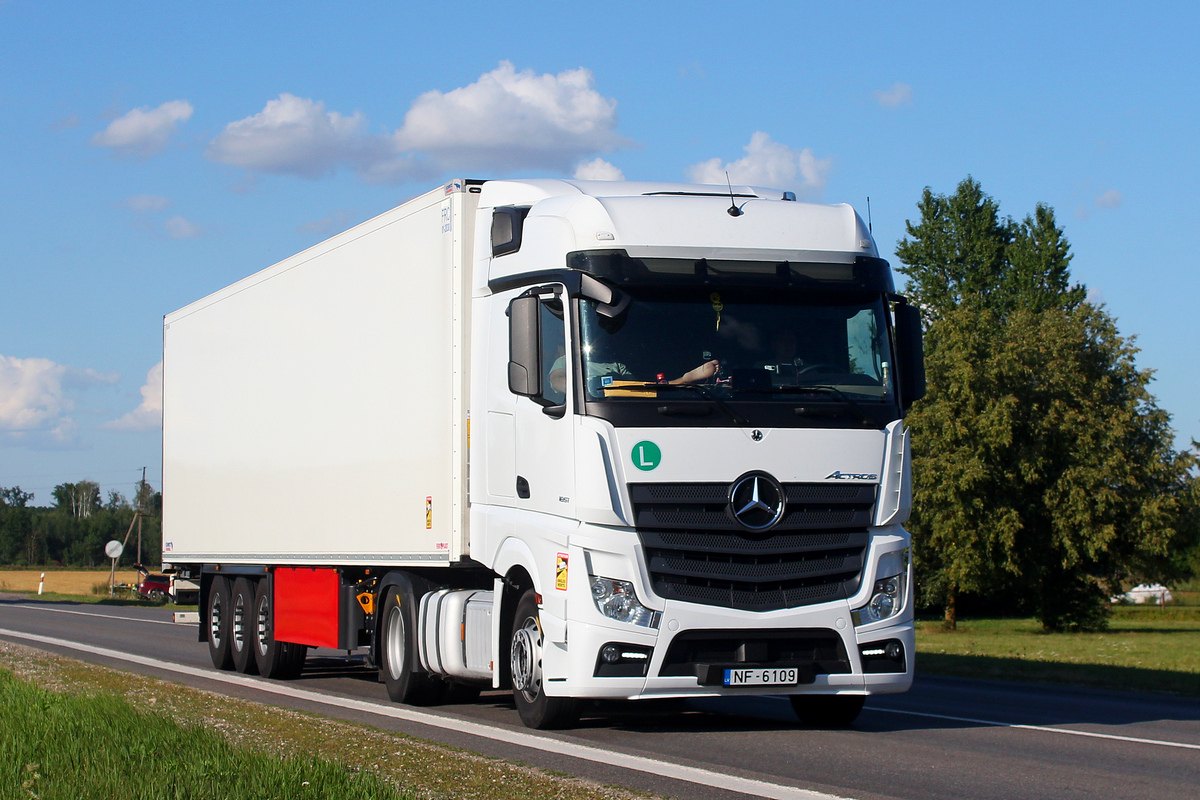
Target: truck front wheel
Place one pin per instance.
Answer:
(398, 650)
(537, 710)
(217, 614)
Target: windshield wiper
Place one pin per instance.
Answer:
(698, 389)
(839, 394)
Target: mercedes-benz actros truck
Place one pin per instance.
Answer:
(582, 440)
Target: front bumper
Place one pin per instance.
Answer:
(694, 645)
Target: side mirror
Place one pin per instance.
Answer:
(909, 342)
(524, 346)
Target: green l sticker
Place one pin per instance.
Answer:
(646, 455)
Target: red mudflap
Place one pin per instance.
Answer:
(306, 606)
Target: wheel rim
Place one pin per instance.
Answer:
(239, 622)
(262, 625)
(215, 612)
(526, 659)
(394, 646)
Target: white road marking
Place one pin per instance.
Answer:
(44, 607)
(703, 777)
(1041, 728)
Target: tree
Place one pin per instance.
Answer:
(79, 499)
(16, 523)
(1042, 464)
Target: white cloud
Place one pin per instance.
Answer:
(513, 120)
(1110, 199)
(598, 170)
(144, 132)
(145, 203)
(901, 94)
(768, 163)
(506, 120)
(178, 227)
(35, 398)
(296, 136)
(148, 415)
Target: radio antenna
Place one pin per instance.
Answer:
(869, 229)
(733, 210)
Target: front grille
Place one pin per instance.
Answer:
(823, 649)
(697, 552)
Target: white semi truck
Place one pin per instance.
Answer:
(582, 440)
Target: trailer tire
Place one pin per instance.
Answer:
(537, 710)
(241, 627)
(275, 659)
(397, 649)
(827, 710)
(217, 613)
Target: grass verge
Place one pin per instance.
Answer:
(1142, 651)
(134, 754)
(72, 729)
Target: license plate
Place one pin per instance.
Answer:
(780, 676)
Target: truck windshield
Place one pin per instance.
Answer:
(774, 345)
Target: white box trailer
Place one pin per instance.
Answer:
(313, 407)
(580, 439)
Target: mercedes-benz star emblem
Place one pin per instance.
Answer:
(756, 500)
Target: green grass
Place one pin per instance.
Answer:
(285, 743)
(1145, 649)
(71, 746)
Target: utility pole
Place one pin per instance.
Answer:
(138, 513)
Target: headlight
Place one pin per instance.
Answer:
(617, 600)
(887, 600)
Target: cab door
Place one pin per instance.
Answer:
(540, 366)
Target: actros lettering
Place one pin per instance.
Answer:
(850, 476)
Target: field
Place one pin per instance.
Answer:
(62, 582)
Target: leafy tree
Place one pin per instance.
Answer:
(78, 499)
(963, 252)
(16, 523)
(1042, 464)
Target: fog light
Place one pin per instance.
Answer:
(611, 654)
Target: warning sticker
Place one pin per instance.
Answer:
(428, 513)
(560, 573)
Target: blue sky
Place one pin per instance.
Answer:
(153, 153)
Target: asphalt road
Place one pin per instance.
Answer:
(947, 738)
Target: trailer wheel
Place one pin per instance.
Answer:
(278, 660)
(537, 710)
(827, 710)
(398, 654)
(241, 627)
(217, 615)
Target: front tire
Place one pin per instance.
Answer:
(397, 646)
(537, 710)
(217, 614)
(827, 710)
